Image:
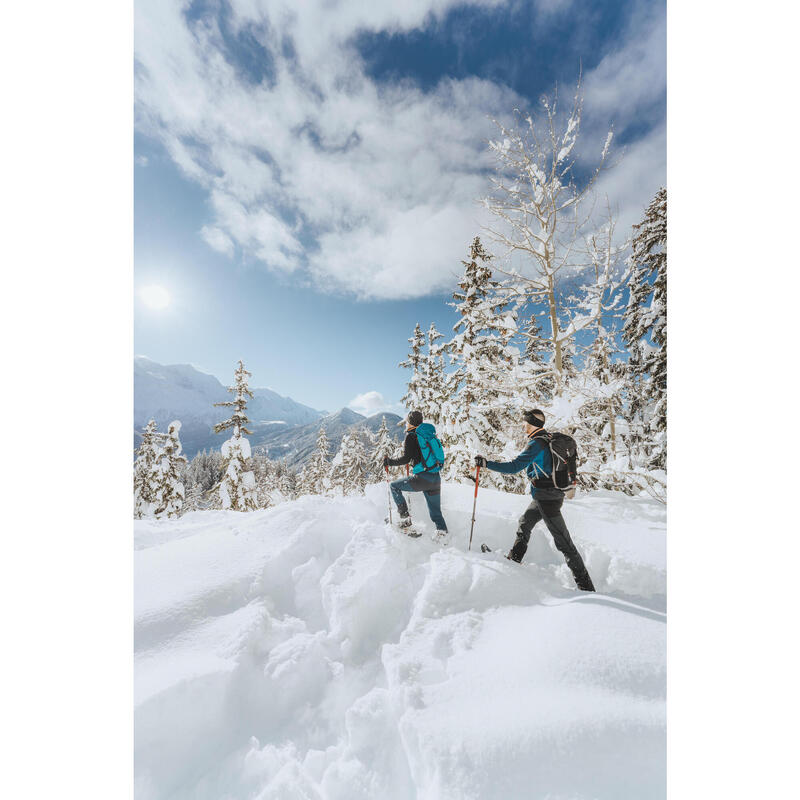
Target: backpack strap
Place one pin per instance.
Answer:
(436, 464)
(546, 438)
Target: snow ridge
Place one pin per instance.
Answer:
(308, 651)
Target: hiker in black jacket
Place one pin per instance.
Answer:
(425, 479)
(537, 462)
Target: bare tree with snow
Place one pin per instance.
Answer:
(542, 205)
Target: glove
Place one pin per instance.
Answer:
(480, 461)
(385, 461)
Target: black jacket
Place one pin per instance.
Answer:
(411, 451)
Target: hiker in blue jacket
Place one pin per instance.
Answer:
(425, 475)
(537, 462)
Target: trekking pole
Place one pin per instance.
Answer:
(474, 502)
(389, 494)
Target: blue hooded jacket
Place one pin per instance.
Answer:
(535, 459)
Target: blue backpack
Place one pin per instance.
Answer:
(431, 449)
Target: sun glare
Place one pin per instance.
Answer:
(155, 297)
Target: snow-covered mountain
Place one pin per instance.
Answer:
(309, 651)
(295, 445)
(179, 391)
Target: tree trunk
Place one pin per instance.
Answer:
(612, 422)
(551, 301)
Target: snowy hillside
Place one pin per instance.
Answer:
(179, 391)
(308, 651)
(295, 445)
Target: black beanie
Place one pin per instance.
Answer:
(534, 417)
(414, 418)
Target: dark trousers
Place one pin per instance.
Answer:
(546, 506)
(431, 485)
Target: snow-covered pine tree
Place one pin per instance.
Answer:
(205, 470)
(194, 499)
(536, 364)
(170, 491)
(646, 324)
(305, 482)
(414, 396)
(145, 475)
(318, 469)
(287, 484)
(482, 414)
(237, 489)
(434, 390)
(351, 464)
(539, 199)
(384, 447)
(266, 481)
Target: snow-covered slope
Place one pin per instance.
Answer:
(308, 651)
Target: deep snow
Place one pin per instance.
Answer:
(309, 651)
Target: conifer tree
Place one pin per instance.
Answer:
(645, 328)
(205, 470)
(194, 499)
(318, 469)
(384, 447)
(351, 464)
(305, 482)
(170, 491)
(413, 398)
(266, 478)
(145, 476)
(536, 364)
(480, 416)
(434, 384)
(237, 489)
(287, 484)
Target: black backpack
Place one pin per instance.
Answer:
(564, 451)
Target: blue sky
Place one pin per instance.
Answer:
(306, 175)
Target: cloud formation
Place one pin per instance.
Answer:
(311, 168)
(372, 402)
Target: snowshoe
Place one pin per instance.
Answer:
(404, 526)
(485, 549)
(441, 538)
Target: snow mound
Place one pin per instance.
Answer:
(309, 651)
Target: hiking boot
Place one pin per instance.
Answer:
(405, 522)
(441, 537)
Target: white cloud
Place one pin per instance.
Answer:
(632, 78)
(372, 402)
(218, 240)
(317, 170)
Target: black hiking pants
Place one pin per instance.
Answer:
(546, 505)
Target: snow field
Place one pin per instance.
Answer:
(309, 651)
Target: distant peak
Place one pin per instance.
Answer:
(346, 415)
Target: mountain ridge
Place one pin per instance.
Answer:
(281, 426)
